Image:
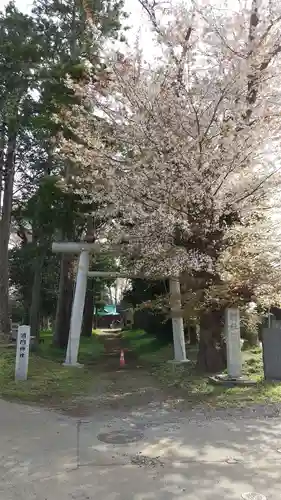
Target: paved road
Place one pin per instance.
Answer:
(45, 456)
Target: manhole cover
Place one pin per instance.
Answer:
(120, 437)
(253, 496)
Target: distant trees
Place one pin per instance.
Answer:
(39, 53)
(20, 59)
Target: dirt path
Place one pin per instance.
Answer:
(119, 389)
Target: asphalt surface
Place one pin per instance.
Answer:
(146, 454)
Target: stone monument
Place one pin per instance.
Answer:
(233, 352)
(271, 343)
(22, 354)
(233, 344)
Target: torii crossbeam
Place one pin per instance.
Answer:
(84, 249)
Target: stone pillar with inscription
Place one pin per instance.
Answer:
(22, 355)
(233, 345)
(177, 322)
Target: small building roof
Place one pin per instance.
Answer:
(109, 310)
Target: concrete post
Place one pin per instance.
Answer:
(22, 355)
(177, 321)
(77, 310)
(233, 346)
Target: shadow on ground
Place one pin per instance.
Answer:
(173, 459)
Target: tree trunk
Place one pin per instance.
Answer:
(26, 315)
(5, 326)
(88, 310)
(5, 226)
(211, 355)
(63, 312)
(36, 295)
(95, 317)
(2, 161)
(193, 339)
(45, 323)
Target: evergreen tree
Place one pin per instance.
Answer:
(38, 52)
(21, 54)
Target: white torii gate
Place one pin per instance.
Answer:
(80, 293)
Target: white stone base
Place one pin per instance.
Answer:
(175, 362)
(75, 365)
(227, 381)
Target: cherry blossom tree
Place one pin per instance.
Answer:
(186, 148)
(249, 270)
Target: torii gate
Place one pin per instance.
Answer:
(84, 249)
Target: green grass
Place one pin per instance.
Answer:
(142, 343)
(89, 351)
(195, 387)
(47, 379)
(97, 332)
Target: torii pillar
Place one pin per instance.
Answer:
(77, 310)
(80, 293)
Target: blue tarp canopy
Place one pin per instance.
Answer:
(109, 310)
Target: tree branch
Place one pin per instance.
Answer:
(150, 10)
(249, 194)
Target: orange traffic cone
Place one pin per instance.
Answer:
(122, 359)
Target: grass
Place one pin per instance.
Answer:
(90, 349)
(47, 379)
(144, 345)
(195, 387)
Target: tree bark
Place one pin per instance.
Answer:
(212, 354)
(36, 295)
(95, 316)
(88, 317)
(192, 333)
(26, 315)
(5, 226)
(65, 295)
(2, 161)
